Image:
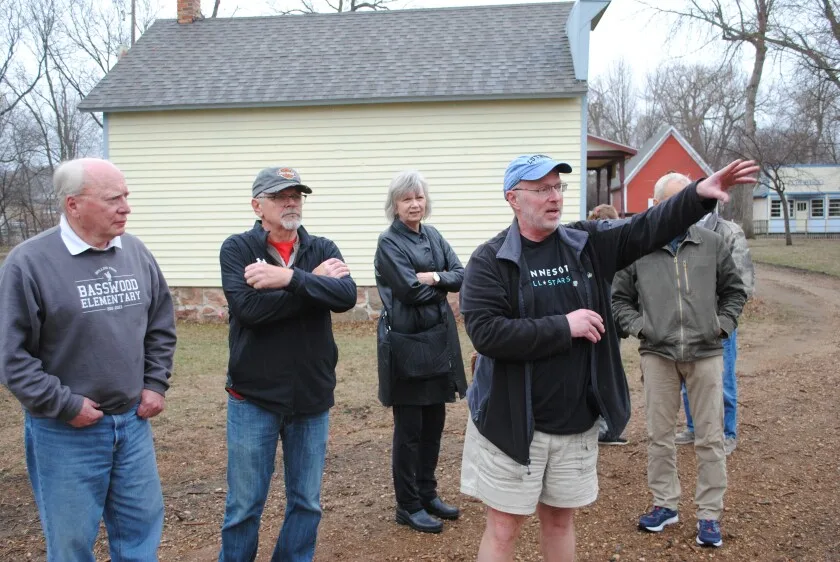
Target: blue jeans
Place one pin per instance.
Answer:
(80, 476)
(252, 435)
(730, 390)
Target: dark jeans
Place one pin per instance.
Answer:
(417, 432)
(252, 435)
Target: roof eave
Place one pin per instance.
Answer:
(93, 108)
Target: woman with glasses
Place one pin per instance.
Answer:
(419, 355)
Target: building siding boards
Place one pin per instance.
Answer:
(190, 172)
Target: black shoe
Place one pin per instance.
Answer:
(419, 521)
(441, 509)
(610, 440)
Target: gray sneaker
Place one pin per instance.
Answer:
(729, 445)
(684, 438)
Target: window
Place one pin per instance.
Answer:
(801, 206)
(817, 208)
(834, 207)
(776, 208)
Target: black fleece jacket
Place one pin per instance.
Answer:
(282, 351)
(498, 303)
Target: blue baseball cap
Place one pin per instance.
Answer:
(532, 167)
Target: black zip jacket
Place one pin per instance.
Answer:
(498, 302)
(410, 307)
(282, 351)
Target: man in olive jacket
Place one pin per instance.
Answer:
(680, 300)
(536, 306)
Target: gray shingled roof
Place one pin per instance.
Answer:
(484, 52)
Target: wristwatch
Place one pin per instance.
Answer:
(436, 277)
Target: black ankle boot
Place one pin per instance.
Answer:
(419, 521)
(443, 510)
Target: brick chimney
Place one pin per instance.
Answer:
(189, 11)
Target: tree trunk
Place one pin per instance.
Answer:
(742, 201)
(786, 215)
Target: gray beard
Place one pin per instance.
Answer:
(290, 224)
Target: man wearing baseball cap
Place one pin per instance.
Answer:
(536, 303)
(281, 284)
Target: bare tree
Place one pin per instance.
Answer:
(739, 22)
(776, 148)
(613, 109)
(315, 6)
(15, 82)
(810, 29)
(815, 102)
(705, 103)
(86, 37)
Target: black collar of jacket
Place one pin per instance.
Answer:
(401, 227)
(511, 248)
(262, 234)
(693, 235)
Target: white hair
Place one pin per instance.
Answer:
(68, 179)
(404, 183)
(666, 180)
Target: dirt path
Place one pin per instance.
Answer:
(781, 504)
(783, 491)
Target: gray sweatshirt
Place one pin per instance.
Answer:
(98, 324)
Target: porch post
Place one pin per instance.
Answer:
(597, 187)
(623, 186)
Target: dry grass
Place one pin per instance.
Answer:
(822, 256)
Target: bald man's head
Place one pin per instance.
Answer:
(669, 185)
(94, 198)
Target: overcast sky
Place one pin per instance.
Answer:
(627, 29)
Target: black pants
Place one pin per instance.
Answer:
(417, 432)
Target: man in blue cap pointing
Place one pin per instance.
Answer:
(536, 303)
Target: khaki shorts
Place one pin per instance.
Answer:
(563, 472)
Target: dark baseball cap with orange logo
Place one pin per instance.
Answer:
(272, 180)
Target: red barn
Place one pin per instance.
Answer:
(667, 151)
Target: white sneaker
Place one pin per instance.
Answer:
(684, 438)
(729, 445)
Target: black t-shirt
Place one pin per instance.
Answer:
(561, 392)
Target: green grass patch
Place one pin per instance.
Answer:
(201, 365)
(820, 255)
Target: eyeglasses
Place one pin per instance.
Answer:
(545, 190)
(297, 198)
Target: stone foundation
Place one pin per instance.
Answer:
(208, 305)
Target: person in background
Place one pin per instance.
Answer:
(605, 212)
(735, 240)
(680, 301)
(419, 354)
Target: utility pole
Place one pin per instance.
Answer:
(133, 19)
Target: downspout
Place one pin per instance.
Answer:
(105, 123)
(583, 18)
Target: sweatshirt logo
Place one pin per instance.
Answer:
(550, 276)
(108, 291)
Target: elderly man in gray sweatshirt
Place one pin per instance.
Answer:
(87, 337)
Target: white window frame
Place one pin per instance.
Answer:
(776, 206)
(817, 204)
(801, 206)
(834, 208)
